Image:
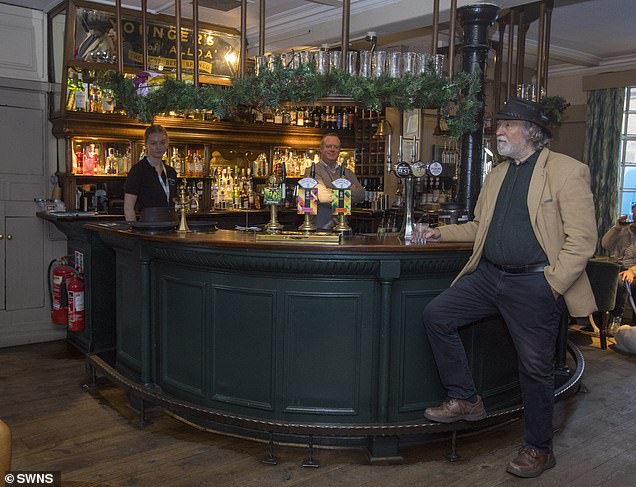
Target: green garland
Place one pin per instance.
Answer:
(553, 107)
(457, 98)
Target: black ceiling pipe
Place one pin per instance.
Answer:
(475, 20)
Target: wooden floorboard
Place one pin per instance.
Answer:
(95, 440)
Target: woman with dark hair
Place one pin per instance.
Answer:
(150, 182)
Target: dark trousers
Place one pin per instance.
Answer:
(621, 298)
(527, 305)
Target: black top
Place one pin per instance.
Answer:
(143, 181)
(510, 239)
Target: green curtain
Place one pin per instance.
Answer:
(602, 152)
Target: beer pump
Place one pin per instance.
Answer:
(182, 205)
(408, 171)
(308, 200)
(272, 196)
(341, 200)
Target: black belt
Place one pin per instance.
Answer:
(520, 269)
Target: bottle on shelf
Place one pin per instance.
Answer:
(278, 116)
(176, 162)
(268, 115)
(300, 117)
(94, 99)
(128, 159)
(71, 88)
(189, 164)
(198, 164)
(80, 94)
(79, 160)
(107, 101)
(89, 160)
(111, 162)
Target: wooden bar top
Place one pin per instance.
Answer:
(247, 240)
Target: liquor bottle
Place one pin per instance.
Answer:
(345, 118)
(324, 117)
(108, 102)
(176, 162)
(189, 164)
(309, 118)
(278, 117)
(79, 160)
(300, 117)
(214, 192)
(94, 99)
(198, 164)
(80, 94)
(71, 88)
(89, 160)
(111, 161)
(258, 115)
(236, 198)
(98, 167)
(121, 163)
(128, 159)
(268, 115)
(338, 119)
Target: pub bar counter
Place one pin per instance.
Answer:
(295, 342)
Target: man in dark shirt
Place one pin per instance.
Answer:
(533, 232)
(328, 170)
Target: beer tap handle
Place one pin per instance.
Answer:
(283, 185)
(399, 156)
(414, 149)
(312, 173)
(389, 166)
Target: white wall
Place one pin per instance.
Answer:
(23, 41)
(24, 88)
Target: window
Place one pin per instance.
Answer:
(627, 193)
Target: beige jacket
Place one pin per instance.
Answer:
(563, 219)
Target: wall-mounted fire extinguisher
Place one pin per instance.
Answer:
(76, 304)
(59, 295)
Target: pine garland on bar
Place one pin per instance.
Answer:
(457, 98)
(554, 106)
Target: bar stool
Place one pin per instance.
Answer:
(603, 276)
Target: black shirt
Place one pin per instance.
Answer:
(510, 239)
(143, 181)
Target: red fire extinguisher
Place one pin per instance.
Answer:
(76, 304)
(59, 296)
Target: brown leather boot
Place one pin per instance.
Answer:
(453, 409)
(531, 462)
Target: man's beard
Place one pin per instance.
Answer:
(504, 148)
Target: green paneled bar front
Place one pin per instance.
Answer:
(292, 341)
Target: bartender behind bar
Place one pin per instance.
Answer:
(328, 170)
(150, 183)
